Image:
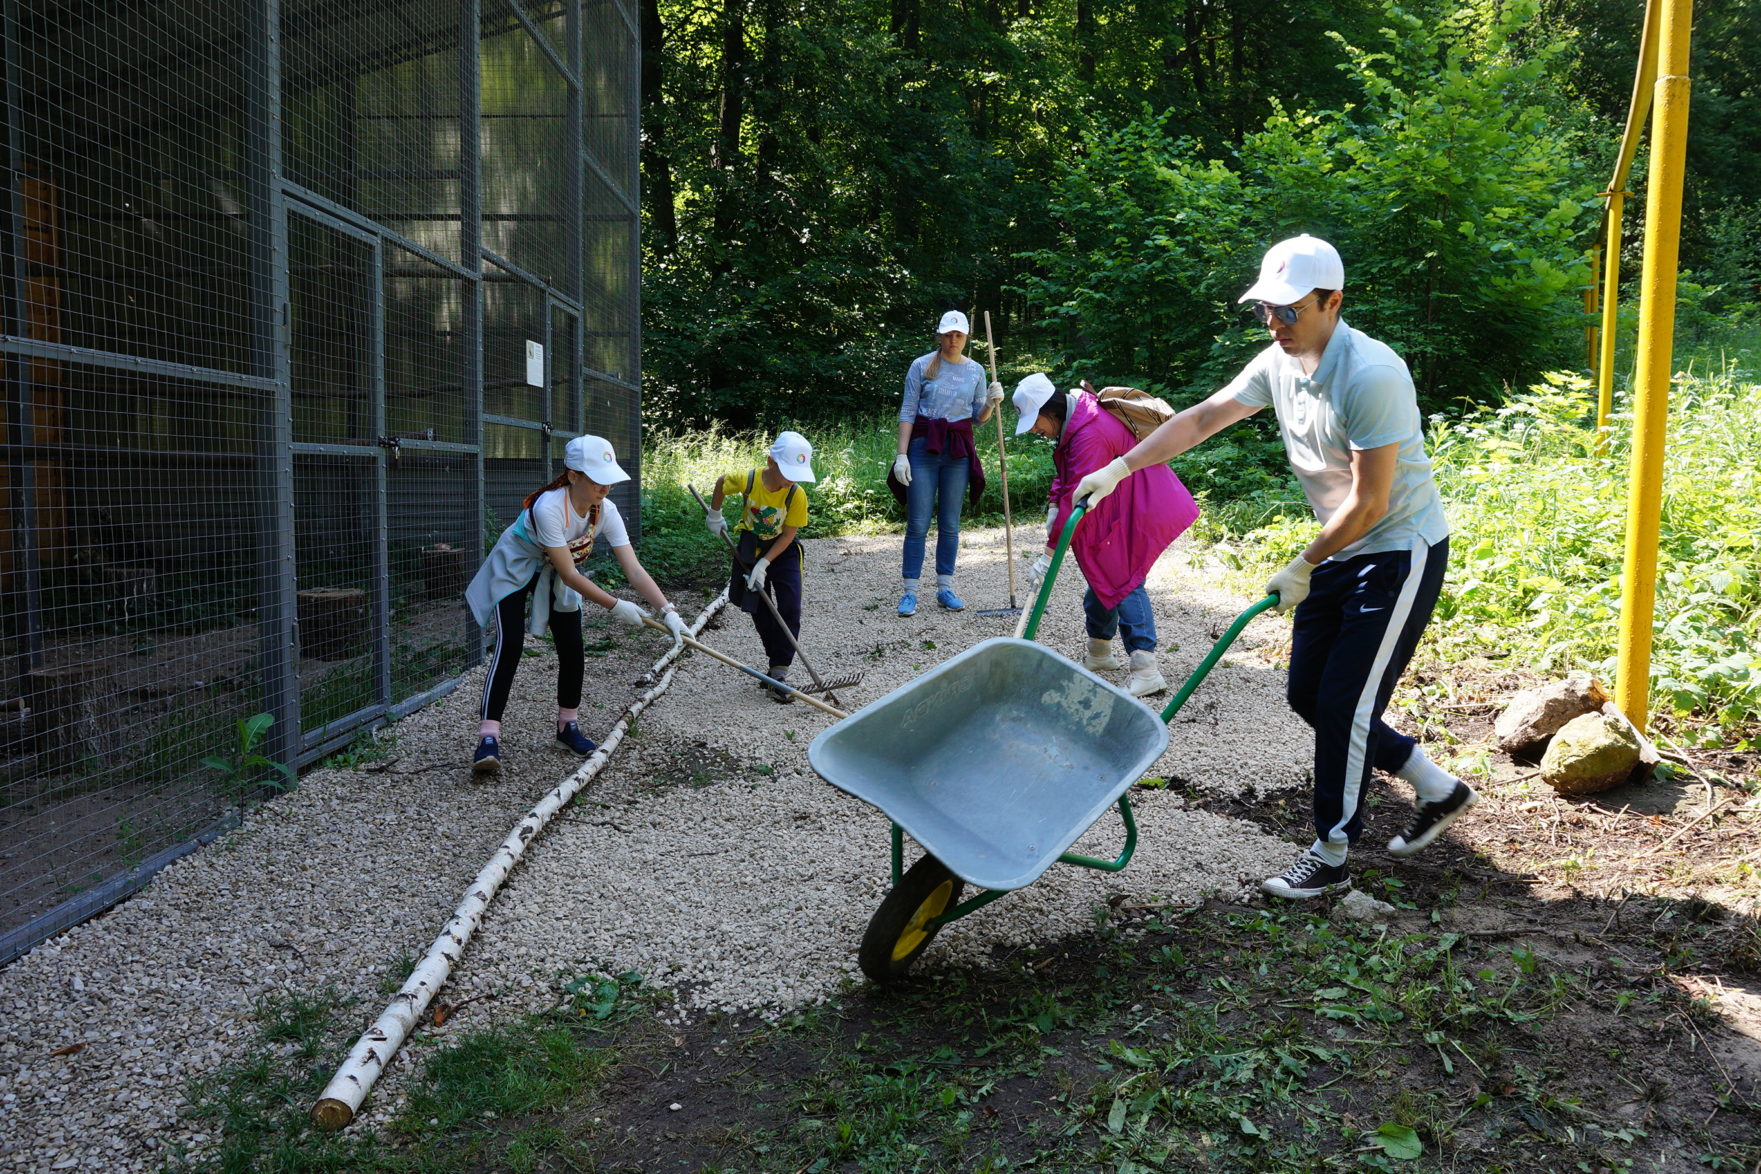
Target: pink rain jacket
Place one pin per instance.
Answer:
(1119, 540)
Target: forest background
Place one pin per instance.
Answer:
(823, 177)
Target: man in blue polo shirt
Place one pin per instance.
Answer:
(1364, 588)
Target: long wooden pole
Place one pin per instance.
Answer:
(366, 1061)
(752, 672)
(1002, 466)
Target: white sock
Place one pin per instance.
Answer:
(909, 585)
(1431, 781)
(1333, 854)
(944, 581)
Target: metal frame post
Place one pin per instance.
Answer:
(470, 253)
(278, 619)
(1610, 318)
(1663, 205)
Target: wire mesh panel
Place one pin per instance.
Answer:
(529, 166)
(133, 195)
(133, 640)
(609, 203)
(431, 557)
(372, 112)
(425, 308)
(301, 298)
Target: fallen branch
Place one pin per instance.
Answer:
(342, 1097)
(1687, 827)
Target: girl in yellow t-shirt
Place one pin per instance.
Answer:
(768, 557)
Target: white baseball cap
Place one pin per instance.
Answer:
(1293, 267)
(954, 320)
(1030, 396)
(593, 456)
(793, 455)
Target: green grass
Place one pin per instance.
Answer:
(1205, 1041)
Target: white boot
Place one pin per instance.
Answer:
(1101, 656)
(1145, 677)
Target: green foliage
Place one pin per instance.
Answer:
(850, 497)
(1539, 522)
(247, 768)
(1457, 203)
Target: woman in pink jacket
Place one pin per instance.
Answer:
(1119, 539)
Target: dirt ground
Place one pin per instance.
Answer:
(1648, 887)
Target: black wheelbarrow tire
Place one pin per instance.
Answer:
(896, 933)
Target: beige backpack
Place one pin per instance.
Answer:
(1138, 410)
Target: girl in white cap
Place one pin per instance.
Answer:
(539, 558)
(768, 557)
(936, 465)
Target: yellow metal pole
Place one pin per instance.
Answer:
(1591, 350)
(1610, 318)
(1663, 201)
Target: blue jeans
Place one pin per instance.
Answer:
(938, 485)
(1133, 617)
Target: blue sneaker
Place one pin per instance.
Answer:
(487, 760)
(946, 597)
(908, 603)
(572, 737)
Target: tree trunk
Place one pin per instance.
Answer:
(730, 116)
(657, 164)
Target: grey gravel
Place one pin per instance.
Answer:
(707, 857)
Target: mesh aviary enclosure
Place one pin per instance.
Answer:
(300, 297)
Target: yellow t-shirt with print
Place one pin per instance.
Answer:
(765, 514)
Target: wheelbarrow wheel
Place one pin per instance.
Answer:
(898, 933)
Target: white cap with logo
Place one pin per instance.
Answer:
(954, 320)
(1030, 396)
(793, 455)
(1293, 267)
(593, 456)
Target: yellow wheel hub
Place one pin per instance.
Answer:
(912, 936)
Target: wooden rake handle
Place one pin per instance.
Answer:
(706, 650)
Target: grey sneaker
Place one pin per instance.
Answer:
(1430, 819)
(1309, 877)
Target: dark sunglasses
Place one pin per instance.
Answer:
(1285, 314)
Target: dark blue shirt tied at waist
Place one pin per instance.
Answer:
(954, 437)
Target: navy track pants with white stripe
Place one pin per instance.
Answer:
(1352, 639)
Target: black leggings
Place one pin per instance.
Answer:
(510, 638)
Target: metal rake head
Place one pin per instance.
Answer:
(831, 684)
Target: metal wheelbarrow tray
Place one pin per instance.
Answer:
(995, 762)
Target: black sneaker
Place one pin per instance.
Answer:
(780, 696)
(487, 760)
(1309, 877)
(572, 737)
(1430, 819)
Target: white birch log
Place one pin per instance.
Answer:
(346, 1091)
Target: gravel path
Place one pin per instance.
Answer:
(707, 857)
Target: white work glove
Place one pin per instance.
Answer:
(717, 524)
(755, 581)
(627, 613)
(996, 392)
(1101, 482)
(902, 469)
(1291, 585)
(674, 624)
(1037, 572)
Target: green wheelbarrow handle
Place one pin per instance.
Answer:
(1031, 626)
